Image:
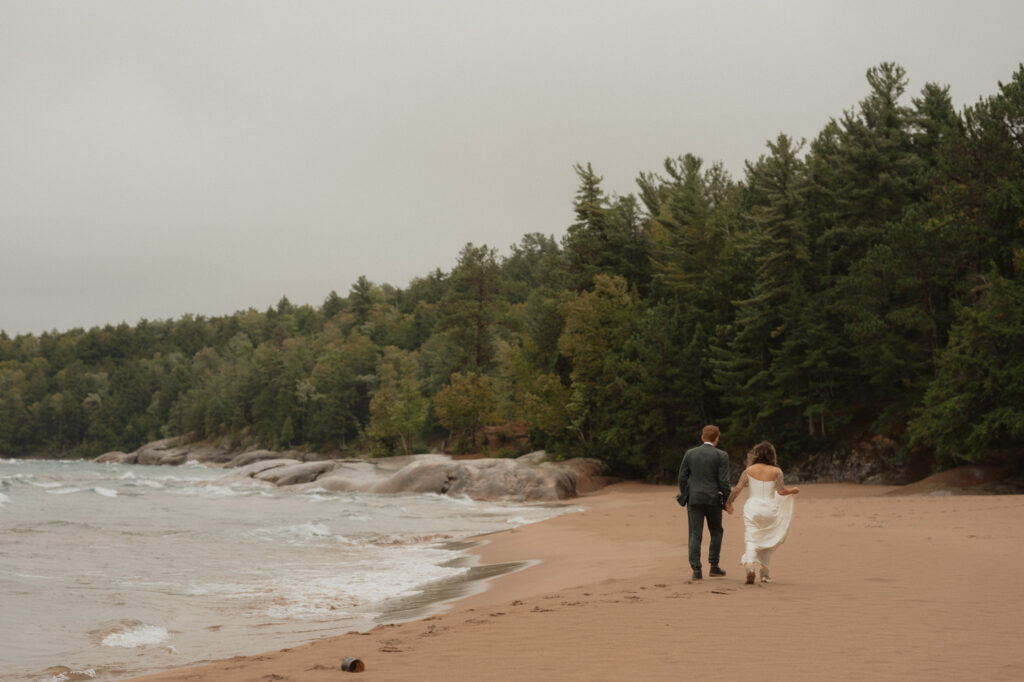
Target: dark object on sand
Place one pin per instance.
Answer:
(352, 665)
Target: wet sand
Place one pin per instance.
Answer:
(871, 584)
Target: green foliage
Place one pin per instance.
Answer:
(845, 287)
(473, 308)
(607, 398)
(287, 432)
(974, 410)
(398, 410)
(609, 236)
(464, 406)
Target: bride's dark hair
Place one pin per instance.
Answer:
(763, 453)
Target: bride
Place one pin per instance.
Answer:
(767, 512)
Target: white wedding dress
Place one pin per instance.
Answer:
(766, 517)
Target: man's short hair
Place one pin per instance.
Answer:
(710, 433)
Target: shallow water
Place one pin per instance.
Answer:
(115, 570)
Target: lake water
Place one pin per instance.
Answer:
(110, 570)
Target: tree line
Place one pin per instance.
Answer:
(867, 281)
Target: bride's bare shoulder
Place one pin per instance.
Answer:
(762, 472)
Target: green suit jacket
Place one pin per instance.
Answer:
(704, 476)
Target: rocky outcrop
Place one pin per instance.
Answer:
(483, 479)
(534, 477)
(965, 480)
(170, 451)
(174, 452)
(116, 457)
(871, 461)
(299, 472)
(251, 456)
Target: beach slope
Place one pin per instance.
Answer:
(869, 585)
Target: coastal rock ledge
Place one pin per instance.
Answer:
(534, 477)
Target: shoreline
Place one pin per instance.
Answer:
(869, 585)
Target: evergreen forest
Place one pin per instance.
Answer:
(867, 281)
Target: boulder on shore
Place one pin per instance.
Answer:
(251, 456)
(533, 477)
(300, 472)
(116, 457)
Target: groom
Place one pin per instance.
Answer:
(704, 486)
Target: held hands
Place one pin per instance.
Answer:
(728, 508)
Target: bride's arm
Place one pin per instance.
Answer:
(736, 491)
(781, 489)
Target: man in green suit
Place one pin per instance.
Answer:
(704, 490)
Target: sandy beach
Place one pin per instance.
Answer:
(872, 584)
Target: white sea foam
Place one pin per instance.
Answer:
(213, 491)
(143, 483)
(368, 577)
(45, 484)
(4, 499)
(316, 566)
(298, 532)
(105, 492)
(376, 581)
(72, 674)
(140, 635)
(65, 491)
(319, 495)
(463, 500)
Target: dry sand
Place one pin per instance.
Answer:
(870, 585)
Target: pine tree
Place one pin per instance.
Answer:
(609, 236)
(398, 409)
(747, 371)
(473, 308)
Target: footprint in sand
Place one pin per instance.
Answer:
(390, 646)
(433, 630)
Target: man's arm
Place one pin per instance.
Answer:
(684, 474)
(723, 481)
(723, 475)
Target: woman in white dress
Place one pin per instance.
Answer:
(767, 512)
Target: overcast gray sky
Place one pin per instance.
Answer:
(163, 158)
